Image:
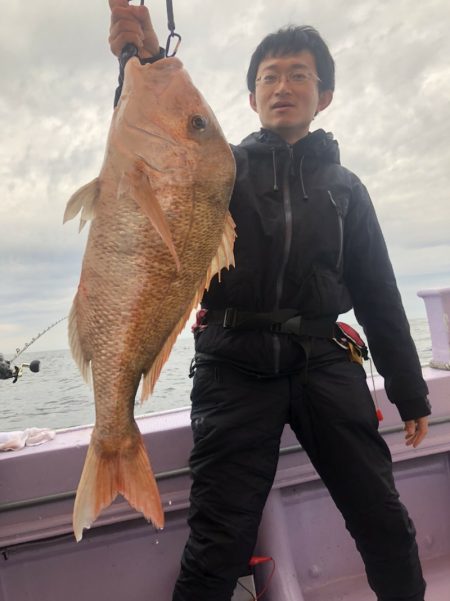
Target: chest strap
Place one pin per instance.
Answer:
(283, 321)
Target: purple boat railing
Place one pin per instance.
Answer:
(123, 557)
(437, 304)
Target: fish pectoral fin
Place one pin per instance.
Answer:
(142, 193)
(83, 200)
(224, 258)
(126, 471)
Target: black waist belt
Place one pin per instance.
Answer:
(284, 321)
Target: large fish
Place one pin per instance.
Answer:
(160, 231)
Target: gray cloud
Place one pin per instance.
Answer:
(390, 114)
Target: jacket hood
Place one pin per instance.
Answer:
(317, 144)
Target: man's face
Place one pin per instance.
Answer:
(287, 95)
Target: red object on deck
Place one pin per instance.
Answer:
(255, 560)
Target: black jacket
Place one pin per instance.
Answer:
(308, 239)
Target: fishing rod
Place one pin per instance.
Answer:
(19, 351)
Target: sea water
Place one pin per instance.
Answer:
(57, 397)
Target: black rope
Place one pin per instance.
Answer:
(172, 34)
(128, 51)
(170, 18)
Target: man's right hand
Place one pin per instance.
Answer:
(132, 25)
(415, 431)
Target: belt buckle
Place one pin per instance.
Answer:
(230, 317)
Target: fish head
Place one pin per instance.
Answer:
(169, 125)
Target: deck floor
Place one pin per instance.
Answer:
(436, 571)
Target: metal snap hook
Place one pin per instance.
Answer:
(172, 35)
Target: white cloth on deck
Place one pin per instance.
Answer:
(30, 437)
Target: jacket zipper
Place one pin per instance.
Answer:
(341, 229)
(287, 249)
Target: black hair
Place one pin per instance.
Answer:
(291, 40)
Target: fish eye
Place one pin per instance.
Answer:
(199, 122)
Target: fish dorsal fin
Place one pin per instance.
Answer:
(140, 189)
(223, 258)
(83, 200)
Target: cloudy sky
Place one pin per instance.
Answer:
(391, 115)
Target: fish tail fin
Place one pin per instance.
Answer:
(109, 471)
(83, 200)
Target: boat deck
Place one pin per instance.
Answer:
(123, 557)
(436, 572)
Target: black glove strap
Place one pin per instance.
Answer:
(128, 52)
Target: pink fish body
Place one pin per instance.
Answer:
(160, 231)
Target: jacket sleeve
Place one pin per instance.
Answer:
(378, 307)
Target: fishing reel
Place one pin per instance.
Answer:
(33, 366)
(8, 371)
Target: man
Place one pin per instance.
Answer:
(268, 351)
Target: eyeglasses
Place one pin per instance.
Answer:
(298, 78)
